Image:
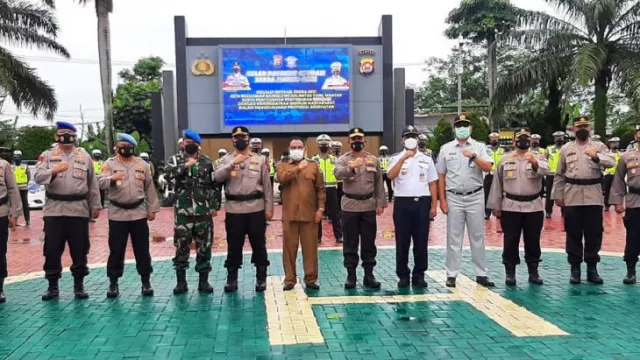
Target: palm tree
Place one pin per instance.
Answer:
(594, 43)
(26, 24)
(103, 9)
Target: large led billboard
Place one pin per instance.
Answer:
(286, 86)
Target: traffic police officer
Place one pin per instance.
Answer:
(553, 157)
(336, 150)
(256, 145)
(384, 166)
(609, 173)
(416, 200)
(535, 145)
(364, 198)
(272, 166)
(10, 210)
(327, 163)
(22, 177)
(460, 166)
(145, 156)
(596, 138)
(578, 188)
(515, 198)
(221, 154)
(72, 197)
(422, 146)
(132, 202)
(248, 207)
(497, 153)
(97, 169)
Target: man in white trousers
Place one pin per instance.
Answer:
(460, 166)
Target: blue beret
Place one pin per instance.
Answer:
(190, 134)
(65, 125)
(127, 138)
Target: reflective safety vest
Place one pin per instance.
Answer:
(272, 167)
(384, 163)
(538, 151)
(327, 166)
(554, 158)
(497, 156)
(97, 166)
(612, 170)
(21, 175)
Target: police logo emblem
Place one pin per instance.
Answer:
(202, 66)
(277, 61)
(292, 62)
(366, 66)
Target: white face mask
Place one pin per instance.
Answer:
(411, 143)
(296, 154)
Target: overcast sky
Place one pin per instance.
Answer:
(145, 27)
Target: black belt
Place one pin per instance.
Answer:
(631, 190)
(465, 193)
(593, 181)
(358, 197)
(521, 198)
(248, 197)
(415, 198)
(59, 197)
(4, 200)
(125, 205)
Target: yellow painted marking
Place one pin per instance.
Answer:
(291, 319)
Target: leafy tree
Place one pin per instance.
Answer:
(595, 43)
(34, 26)
(33, 140)
(8, 133)
(145, 70)
(626, 134)
(443, 132)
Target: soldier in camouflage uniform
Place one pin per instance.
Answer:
(198, 199)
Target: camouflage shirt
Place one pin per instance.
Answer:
(197, 192)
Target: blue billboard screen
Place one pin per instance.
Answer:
(286, 86)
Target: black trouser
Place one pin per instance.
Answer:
(271, 180)
(360, 230)
(410, 219)
(102, 196)
(487, 187)
(632, 223)
(119, 232)
(606, 188)
(4, 238)
(24, 196)
(340, 195)
(548, 186)
(389, 183)
(529, 225)
(587, 221)
(59, 230)
(238, 226)
(333, 212)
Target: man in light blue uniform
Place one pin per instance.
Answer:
(460, 166)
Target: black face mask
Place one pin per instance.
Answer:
(66, 138)
(125, 151)
(523, 144)
(494, 142)
(96, 157)
(357, 146)
(324, 149)
(559, 142)
(535, 144)
(614, 147)
(191, 148)
(582, 134)
(17, 161)
(255, 150)
(240, 144)
(422, 145)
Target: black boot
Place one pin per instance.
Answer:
(352, 279)
(370, 280)
(261, 278)
(575, 274)
(113, 291)
(181, 285)
(631, 273)
(232, 280)
(203, 283)
(2, 298)
(510, 274)
(52, 291)
(146, 290)
(592, 274)
(534, 277)
(78, 288)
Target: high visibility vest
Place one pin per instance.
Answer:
(327, 166)
(97, 166)
(272, 167)
(497, 156)
(539, 151)
(554, 158)
(612, 170)
(21, 175)
(384, 163)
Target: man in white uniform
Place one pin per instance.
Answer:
(237, 81)
(336, 82)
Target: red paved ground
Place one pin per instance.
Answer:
(25, 244)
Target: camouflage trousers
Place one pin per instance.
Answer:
(193, 228)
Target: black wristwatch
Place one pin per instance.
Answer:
(473, 156)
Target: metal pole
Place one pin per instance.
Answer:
(460, 75)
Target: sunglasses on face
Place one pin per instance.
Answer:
(461, 124)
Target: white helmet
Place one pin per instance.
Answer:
(256, 142)
(144, 155)
(222, 151)
(180, 141)
(336, 144)
(96, 151)
(323, 139)
(266, 150)
(422, 137)
(383, 147)
(17, 153)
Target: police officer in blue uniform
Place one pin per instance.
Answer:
(415, 201)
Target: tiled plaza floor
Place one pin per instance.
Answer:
(553, 321)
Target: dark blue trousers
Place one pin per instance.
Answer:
(411, 220)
